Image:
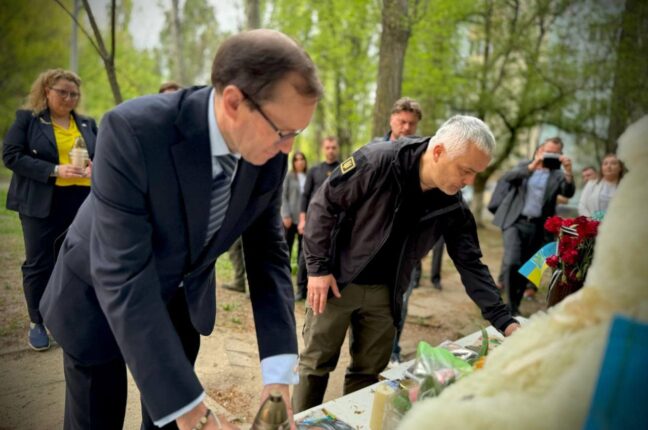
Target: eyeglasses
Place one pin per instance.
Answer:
(283, 135)
(66, 94)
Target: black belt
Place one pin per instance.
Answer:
(529, 219)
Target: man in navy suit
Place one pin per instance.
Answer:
(134, 282)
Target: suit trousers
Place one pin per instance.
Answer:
(291, 234)
(95, 396)
(41, 245)
(521, 241)
(366, 310)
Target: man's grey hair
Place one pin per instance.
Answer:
(456, 133)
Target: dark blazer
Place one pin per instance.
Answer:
(29, 150)
(511, 207)
(140, 234)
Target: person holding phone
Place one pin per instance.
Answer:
(535, 186)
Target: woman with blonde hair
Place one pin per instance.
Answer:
(597, 194)
(46, 187)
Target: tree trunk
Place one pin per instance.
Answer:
(252, 14)
(477, 203)
(107, 58)
(396, 30)
(630, 72)
(112, 79)
(178, 45)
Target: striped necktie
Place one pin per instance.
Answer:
(220, 194)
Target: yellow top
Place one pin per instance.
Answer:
(65, 138)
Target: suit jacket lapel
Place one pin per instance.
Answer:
(86, 132)
(192, 159)
(47, 128)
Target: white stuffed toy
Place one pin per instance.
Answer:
(543, 376)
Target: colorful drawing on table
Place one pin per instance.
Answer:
(535, 267)
(322, 420)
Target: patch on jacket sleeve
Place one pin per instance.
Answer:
(347, 165)
(347, 169)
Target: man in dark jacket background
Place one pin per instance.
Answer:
(534, 187)
(378, 214)
(314, 180)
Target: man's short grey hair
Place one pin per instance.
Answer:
(456, 133)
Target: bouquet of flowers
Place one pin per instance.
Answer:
(576, 238)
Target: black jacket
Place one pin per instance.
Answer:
(351, 217)
(29, 150)
(314, 180)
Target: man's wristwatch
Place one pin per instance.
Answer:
(55, 172)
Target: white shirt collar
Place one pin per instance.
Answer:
(216, 140)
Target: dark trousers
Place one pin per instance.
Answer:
(521, 241)
(437, 259)
(365, 309)
(416, 277)
(302, 275)
(291, 234)
(95, 396)
(40, 236)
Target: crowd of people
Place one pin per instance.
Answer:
(123, 274)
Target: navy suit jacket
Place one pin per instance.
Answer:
(140, 234)
(30, 151)
(511, 207)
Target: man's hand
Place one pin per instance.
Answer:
(537, 161)
(567, 165)
(191, 418)
(318, 287)
(285, 393)
(287, 222)
(511, 328)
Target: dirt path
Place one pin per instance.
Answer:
(33, 388)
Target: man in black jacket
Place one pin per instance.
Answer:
(378, 214)
(314, 179)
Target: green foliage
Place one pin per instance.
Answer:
(200, 38)
(434, 56)
(341, 38)
(137, 71)
(34, 36)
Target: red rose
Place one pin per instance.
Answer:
(592, 228)
(567, 243)
(553, 261)
(570, 256)
(553, 224)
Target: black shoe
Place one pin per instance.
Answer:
(237, 288)
(437, 285)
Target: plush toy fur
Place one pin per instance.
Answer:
(543, 376)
